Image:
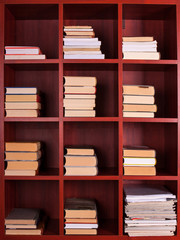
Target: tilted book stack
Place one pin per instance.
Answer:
(139, 161)
(25, 221)
(22, 102)
(79, 96)
(23, 53)
(138, 101)
(80, 217)
(150, 211)
(22, 158)
(80, 162)
(144, 48)
(80, 43)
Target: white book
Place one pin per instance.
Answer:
(79, 96)
(138, 49)
(82, 43)
(83, 225)
(86, 40)
(82, 56)
(82, 52)
(78, 30)
(139, 161)
(151, 233)
(151, 222)
(141, 55)
(21, 90)
(140, 43)
(22, 50)
(83, 46)
(138, 114)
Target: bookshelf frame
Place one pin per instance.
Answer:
(11, 186)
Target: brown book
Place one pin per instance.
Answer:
(31, 156)
(79, 113)
(80, 220)
(22, 98)
(138, 151)
(141, 55)
(80, 171)
(138, 90)
(21, 172)
(22, 113)
(80, 33)
(138, 39)
(79, 151)
(80, 90)
(21, 226)
(133, 99)
(81, 231)
(139, 107)
(80, 96)
(23, 216)
(139, 114)
(22, 105)
(22, 165)
(22, 146)
(24, 56)
(84, 161)
(136, 171)
(79, 81)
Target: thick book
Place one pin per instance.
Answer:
(79, 90)
(22, 50)
(135, 161)
(80, 171)
(80, 231)
(136, 171)
(138, 39)
(79, 113)
(79, 81)
(141, 55)
(84, 56)
(138, 151)
(23, 216)
(79, 103)
(22, 98)
(138, 90)
(79, 96)
(79, 151)
(21, 172)
(22, 146)
(22, 105)
(139, 107)
(22, 165)
(139, 114)
(21, 113)
(80, 220)
(24, 57)
(81, 225)
(83, 161)
(31, 156)
(21, 90)
(135, 99)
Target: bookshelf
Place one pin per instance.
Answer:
(40, 23)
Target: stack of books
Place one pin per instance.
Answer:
(80, 43)
(79, 96)
(80, 162)
(22, 158)
(139, 161)
(80, 217)
(23, 53)
(138, 101)
(150, 211)
(25, 221)
(22, 102)
(144, 48)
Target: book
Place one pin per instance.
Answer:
(67, 49)
(22, 165)
(78, 30)
(79, 151)
(79, 90)
(139, 107)
(77, 27)
(79, 81)
(81, 231)
(79, 96)
(22, 50)
(138, 39)
(139, 114)
(82, 52)
(136, 48)
(79, 103)
(22, 98)
(84, 56)
(144, 171)
(33, 156)
(22, 105)
(134, 161)
(80, 171)
(25, 56)
(138, 90)
(133, 99)
(21, 113)
(141, 55)
(79, 36)
(138, 151)
(83, 161)
(81, 33)
(22, 146)
(20, 172)
(21, 90)
(23, 216)
(21, 226)
(79, 113)
(80, 220)
(81, 225)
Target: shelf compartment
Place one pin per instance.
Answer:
(163, 78)
(44, 77)
(102, 136)
(104, 20)
(107, 85)
(48, 134)
(33, 194)
(33, 25)
(154, 20)
(107, 204)
(159, 136)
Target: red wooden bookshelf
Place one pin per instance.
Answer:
(40, 23)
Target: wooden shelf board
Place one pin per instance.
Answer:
(45, 61)
(156, 120)
(90, 60)
(31, 119)
(91, 119)
(163, 61)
